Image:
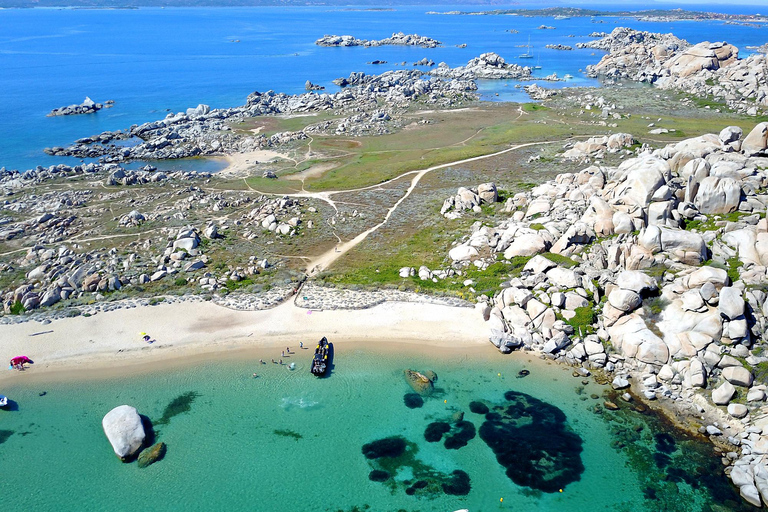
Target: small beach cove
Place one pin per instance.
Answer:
(252, 438)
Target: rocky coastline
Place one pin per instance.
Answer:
(203, 131)
(86, 107)
(652, 271)
(704, 70)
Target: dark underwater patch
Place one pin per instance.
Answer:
(533, 441)
(390, 447)
(478, 407)
(179, 405)
(390, 455)
(378, 475)
(4, 435)
(464, 434)
(288, 433)
(413, 400)
(458, 484)
(435, 430)
(665, 443)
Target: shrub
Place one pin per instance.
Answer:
(17, 308)
(583, 320)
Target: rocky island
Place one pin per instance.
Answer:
(86, 107)
(399, 39)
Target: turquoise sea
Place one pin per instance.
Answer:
(152, 60)
(289, 442)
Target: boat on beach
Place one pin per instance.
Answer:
(321, 359)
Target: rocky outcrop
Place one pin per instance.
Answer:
(398, 39)
(125, 432)
(469, 199)
(631, 295)
(202, 131)
(86, 107)
(489, 66)
(705, 69)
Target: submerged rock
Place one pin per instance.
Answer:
(151, 455)
(422, 383)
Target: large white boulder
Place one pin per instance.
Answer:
(698, 374)
(636, 281)
(738, 376)
(723, 394)
(630, 335)
(718, 195)
(756, 141)
(462, 253)
(124, 430)
(625, 300)
(526, 244)
(731, 304)
(716, 276)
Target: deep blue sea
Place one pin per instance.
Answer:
(151, 61)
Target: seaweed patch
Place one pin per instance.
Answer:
(465, 432)
(179, 405)
(435, 430)
(4, 435)
(391, 455)
(413, 400)
(288, 433)
(533, 441)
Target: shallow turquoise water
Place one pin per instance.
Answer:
(224, 452)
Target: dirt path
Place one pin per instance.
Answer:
(325, 260)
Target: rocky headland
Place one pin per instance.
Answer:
(86, 107)
(707, 70)
(653, 271)
(368, 104)
(399, 39)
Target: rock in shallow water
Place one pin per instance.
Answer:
(124, 429)
(151, 455)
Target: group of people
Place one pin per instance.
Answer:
(279, 361)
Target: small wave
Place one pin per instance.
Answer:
(289, 403)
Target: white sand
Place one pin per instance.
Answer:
(241, 163)
(189, 329)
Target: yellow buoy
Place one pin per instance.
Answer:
(498, 374)
(561, 490)
(445, 401)
(501, 499)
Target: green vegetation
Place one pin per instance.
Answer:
(17, 308)
(583, 320)
(560, 260)
(656, 305)
(237, 285)
(732, 267)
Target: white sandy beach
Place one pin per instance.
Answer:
(191, 329)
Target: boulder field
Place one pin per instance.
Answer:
(653, 271)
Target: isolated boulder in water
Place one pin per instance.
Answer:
(151, 455)
(422, 383)
(123, 428)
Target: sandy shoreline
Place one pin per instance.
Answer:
(198, 331)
